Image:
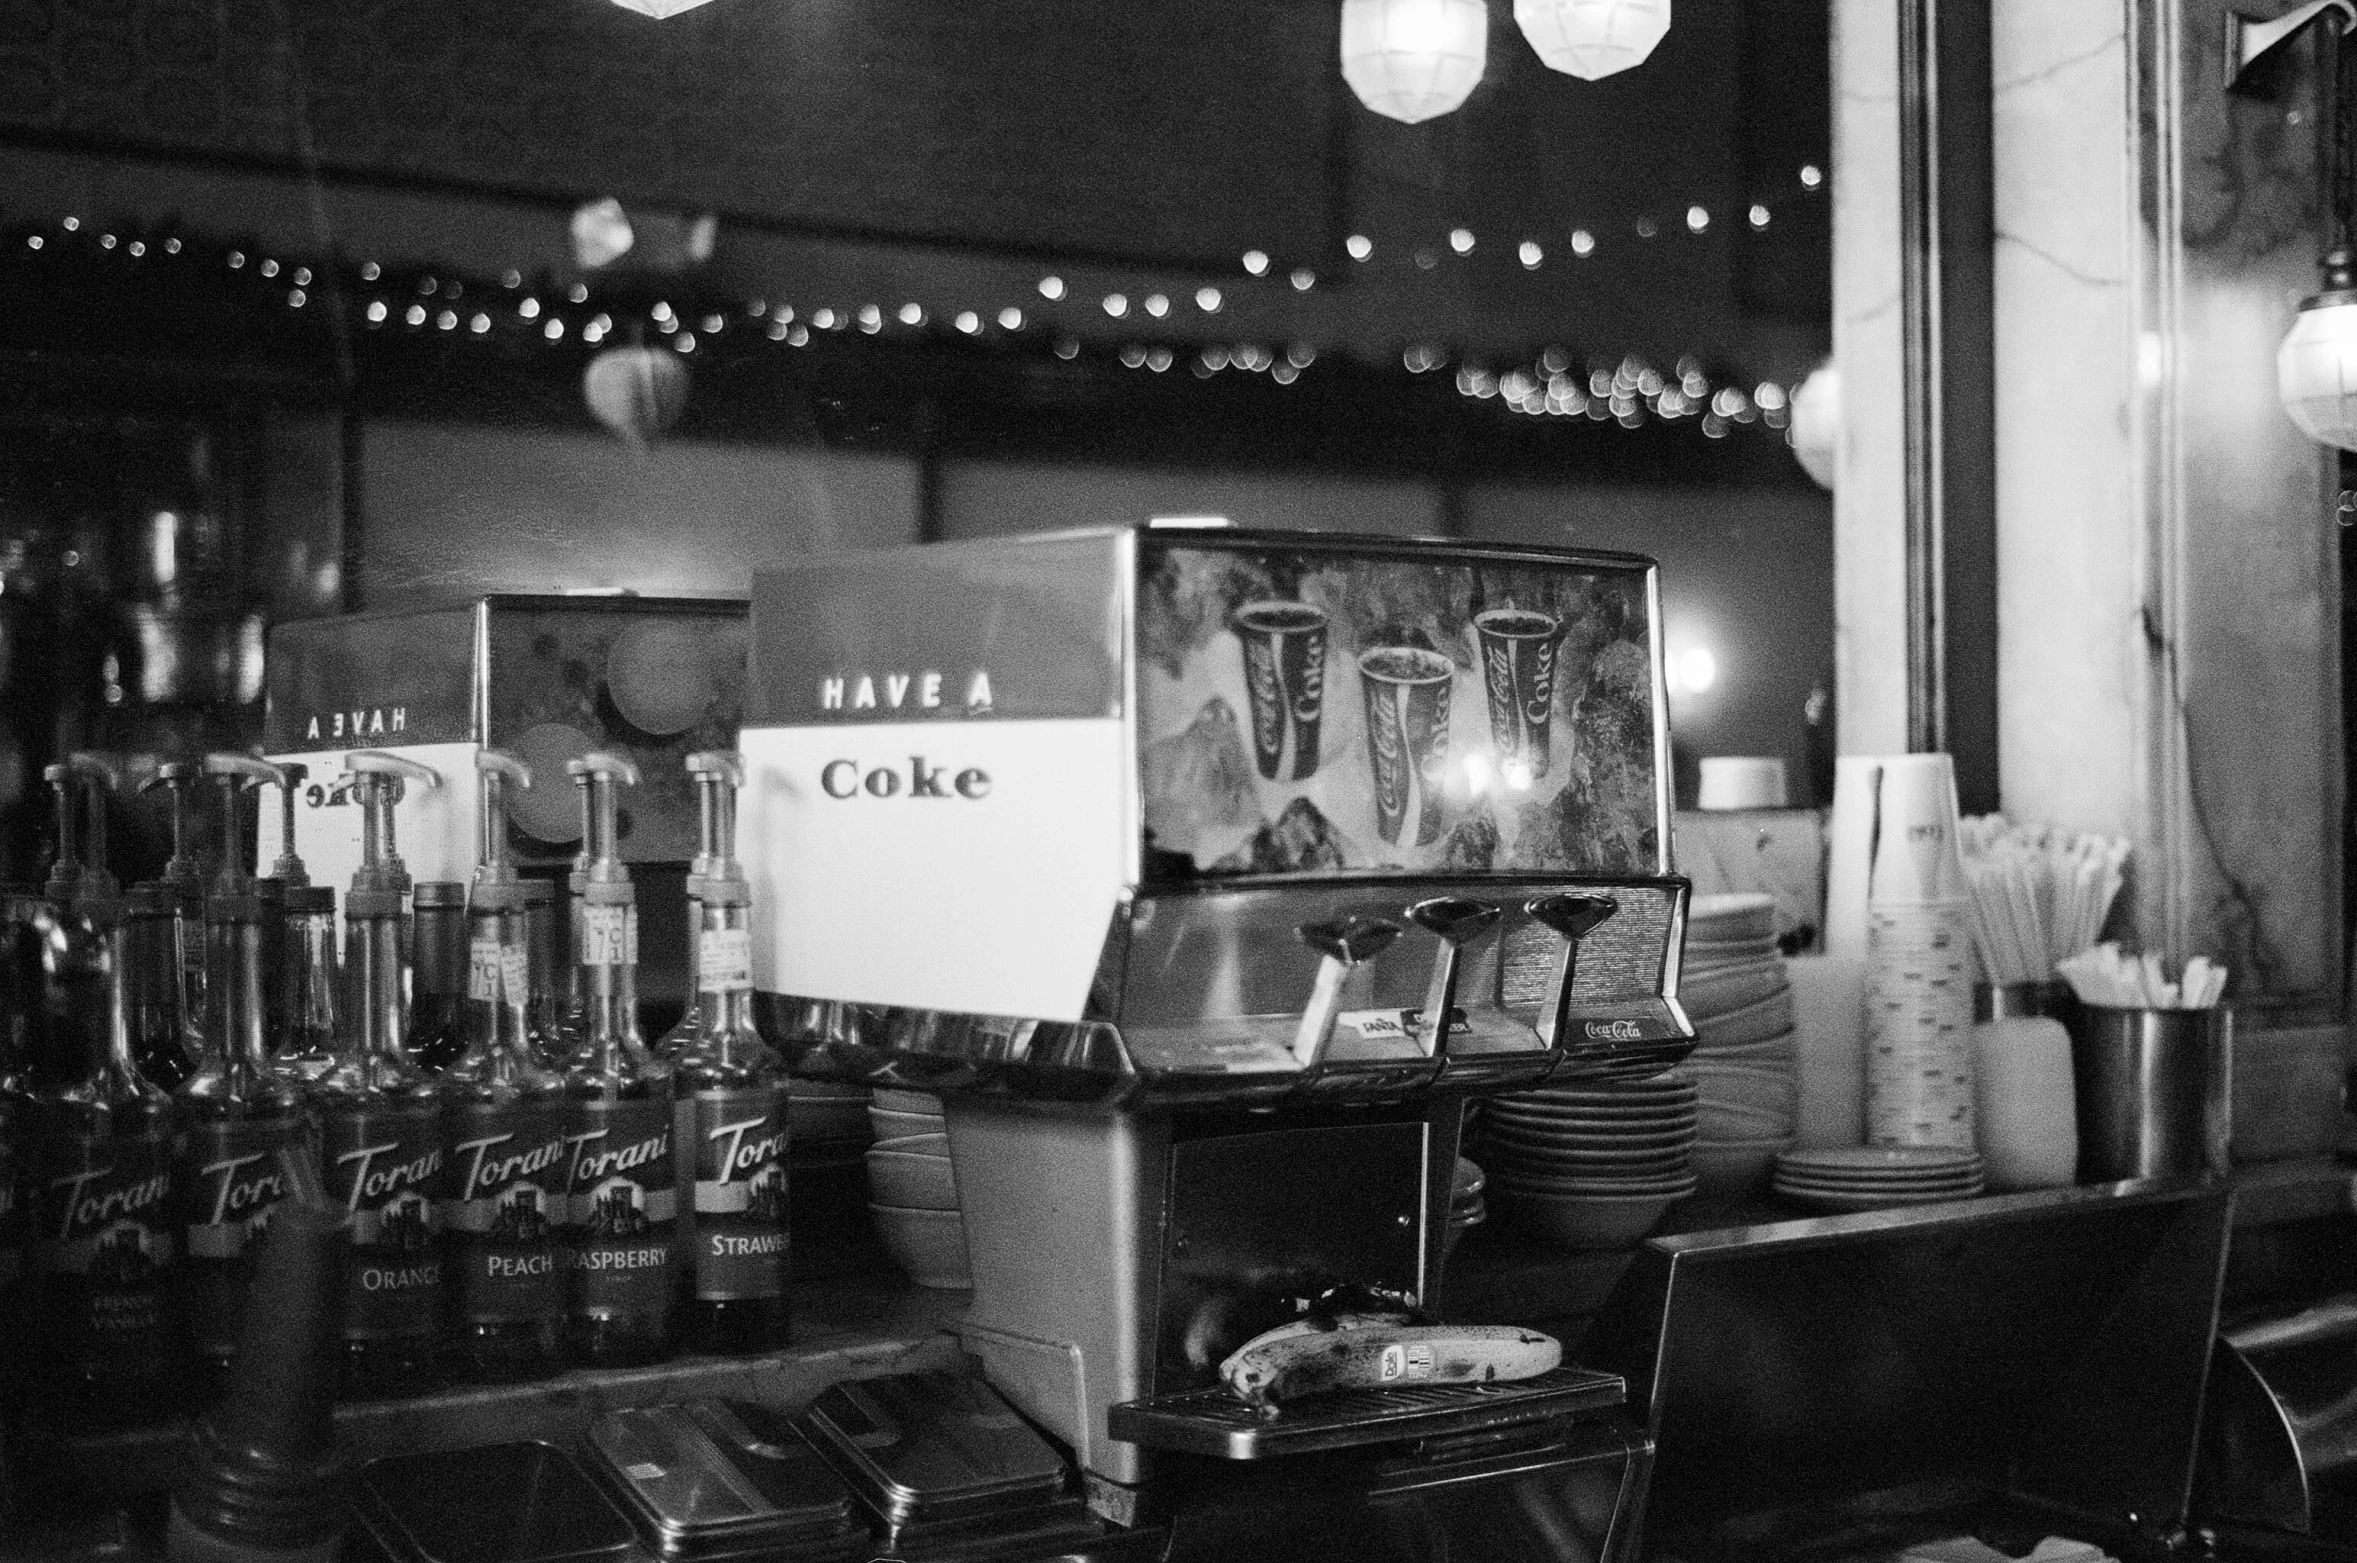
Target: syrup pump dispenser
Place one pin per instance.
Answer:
(505, 1116)
(234, 770)
(80, 874)
(184, 877)
(619, 1125)
(288, 870)
(732, 1110)
(236, 1114)
(382, 1150)
(372, 907)
(1574, 917)
(65, 870)
(716, 776)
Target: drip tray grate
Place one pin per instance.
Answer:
(1214, 1422)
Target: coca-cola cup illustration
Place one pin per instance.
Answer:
(1285, 678)
(1518, 647)
(1407, 692)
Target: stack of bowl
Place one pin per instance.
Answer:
(1733, 984)
(912, 1191)
(1590, 1166)
(1876, 1177)
(823, 1112)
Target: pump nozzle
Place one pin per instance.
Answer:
(601, 770)
(718, 774)
(236, 772)
(65, 872)
(177, 777)
(378, 778)
(289, 869)
(495, 877)
(99, 776)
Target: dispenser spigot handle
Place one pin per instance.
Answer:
(1456, 922)
(1574, 917)
(718, 766)
(289, 869)
(1341, 946)
(236, 772)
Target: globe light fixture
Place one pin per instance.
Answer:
(2316, 364)
(1816, 424)
(1410, 60)
(1591, 39)
(638, 392)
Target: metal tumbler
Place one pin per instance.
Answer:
(2153, 1091)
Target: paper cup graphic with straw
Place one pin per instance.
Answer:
(1407, 691)
(1518, 648)
(1285, 681)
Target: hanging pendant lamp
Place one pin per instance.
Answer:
(658, 9)
(1410, 60)
(1592, 38)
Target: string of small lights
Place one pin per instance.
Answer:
(513, 312)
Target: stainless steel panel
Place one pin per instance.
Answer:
(2047, 1348)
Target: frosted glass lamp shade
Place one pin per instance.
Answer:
(658, 9)
(1412, 59)
(637, 392)
(1592, 38)
(1816, 424)
(2316, 369)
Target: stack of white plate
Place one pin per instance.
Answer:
(1876, 1177)
(1590, 1166)
(1733, 984)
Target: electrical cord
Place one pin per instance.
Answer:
(2240, 901)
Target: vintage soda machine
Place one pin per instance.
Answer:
(1209, 875)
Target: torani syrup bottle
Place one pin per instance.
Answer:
(101, 1181)
(382, 1142)
(234, 1113)
(505, 1116)
(735, 1089)
(618, 1131)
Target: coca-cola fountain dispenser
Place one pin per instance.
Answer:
(1208, 875)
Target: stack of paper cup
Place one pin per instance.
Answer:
(1919, 1087)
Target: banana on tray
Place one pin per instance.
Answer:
(1311, 1357)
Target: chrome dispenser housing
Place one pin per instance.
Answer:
(1058, 816)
